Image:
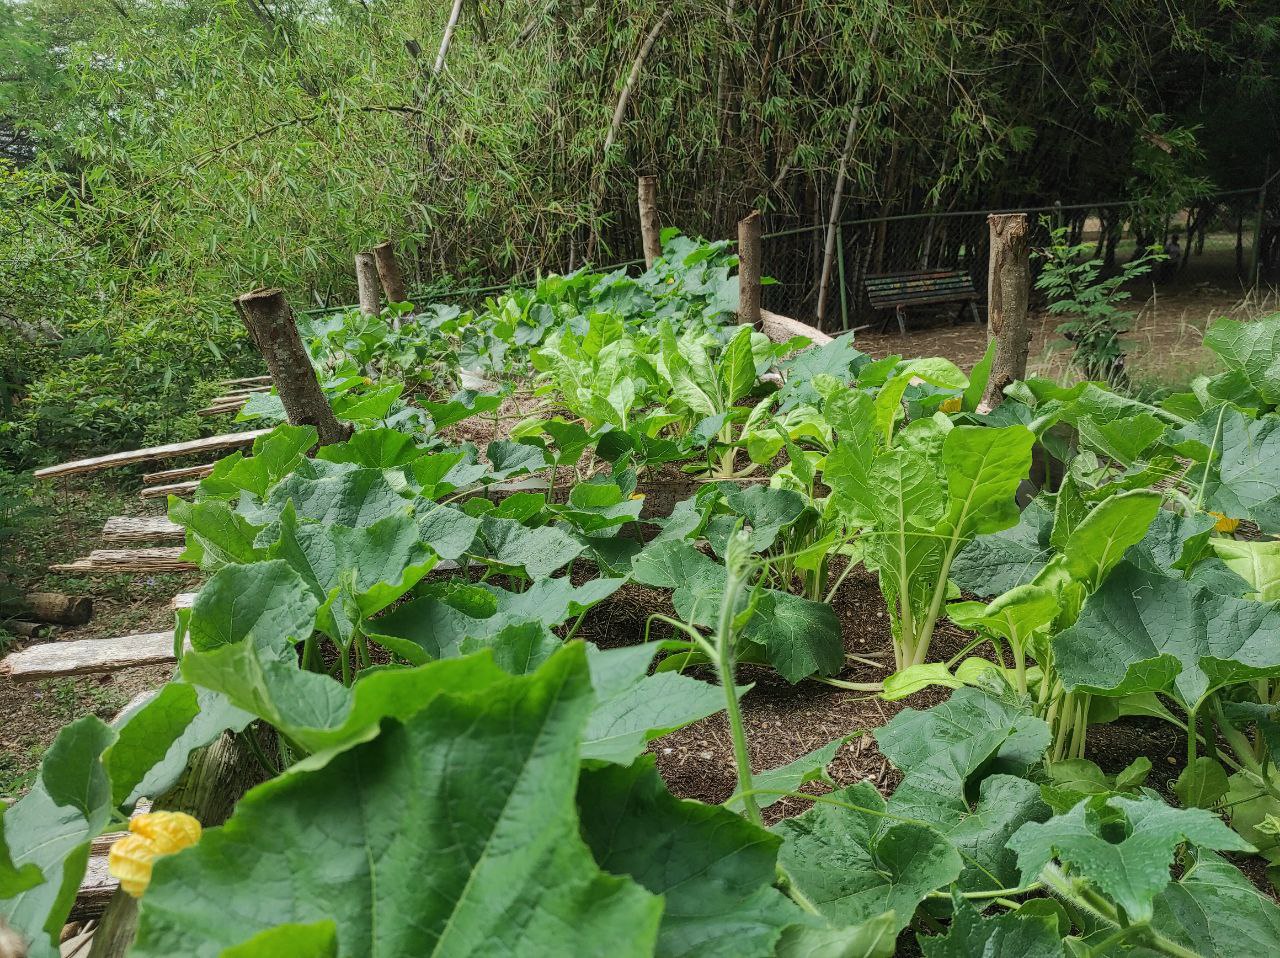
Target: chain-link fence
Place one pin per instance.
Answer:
(1230, 240)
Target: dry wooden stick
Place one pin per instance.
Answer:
(141, 529)
(168, 451)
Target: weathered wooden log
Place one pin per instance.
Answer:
(271, 326)
(1008, 298)
(216, 778)
(650, 234)
(171, 489)
(749, 233)
(157, 559)
(782, 328)
(254, 380)
(389, 273)
(170, 475)
(57, 608)
(151, 453)
(367, 284)
(49, 660)
(141, 529)
(26, 630)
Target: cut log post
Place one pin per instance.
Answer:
(389, 274)
(367, 284)
(270, 322)
(650, 234)
(782, 328)
(749, 233)
(1008, 298)
(215, 779)
(150, 454)
(25, 630)
(57, 608)
(141, 529)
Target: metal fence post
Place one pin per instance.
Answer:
(1255, 271)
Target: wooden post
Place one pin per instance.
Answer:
(650, 235)
(749, 234)
(271, 326)
(1008, 296)
(392, 279)
(367, 284)
(216, 778)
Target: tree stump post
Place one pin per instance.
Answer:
(367, 284)
(384, 255)
(650, 234)
(749, 256)
(271, 326)
(1008, 298)
(56, 608)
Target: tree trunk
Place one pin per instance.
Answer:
(650, 235)
(216, 777)
(271, 326)
(384, 254)
(1008, 295)
(367, 284)
(749, 232)
(837, 196)
(57, 608)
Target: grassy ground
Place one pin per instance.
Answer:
(61, 522)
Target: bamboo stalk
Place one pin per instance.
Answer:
(169, 451)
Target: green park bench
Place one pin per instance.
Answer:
(897, 291)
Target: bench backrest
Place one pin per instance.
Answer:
(922, 286)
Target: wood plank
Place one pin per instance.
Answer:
(185, 472)
(172, 489)
(157, 559)
(141, 529)
(51, 660)
(98, 886)
(171, 450)
(246, 379)
(183, 600)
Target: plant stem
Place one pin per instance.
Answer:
(725, 668)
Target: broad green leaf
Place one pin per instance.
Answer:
(266, 602)
(800, 637)
(518, 649)
(873, 938)
(633, 707)
(1099, 541)
(1258, 563)
(1243, 480)
(316, 940)
(996, 563)
(374, 449)
(1144, 632)
(937, 372)
(1202, 784)
(1005, 803)
(1012, 934)
(50, 830)
(983, 468)
(514, 458)
(940, 748)
(837, 358)
(737, 367)
(1173, 542)
(1130, 868)
(852, 867)
(537, 552)
(355, 498)
(978, 379)
(1252, 349)
(1216, 911)
(714, 869)
(810, 767)
(216, 536)
(478, 787)
(913, 678)
(447, 530)
(767, 511)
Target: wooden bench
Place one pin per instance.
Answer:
(897, 291)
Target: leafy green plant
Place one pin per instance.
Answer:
(1072, 279)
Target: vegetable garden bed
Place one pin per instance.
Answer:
(874, 686)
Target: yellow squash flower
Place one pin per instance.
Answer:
(1225, 524)
(951, 405)
(150, 836)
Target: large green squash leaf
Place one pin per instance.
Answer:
(1214, 910)
(265, 601)
(1252, 349)
(993, 564)
(1121, 845)
(455, 833)
(852, 867)
(715, 869)
(1145, 632)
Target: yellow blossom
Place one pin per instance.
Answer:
(951, 405)
(150, 836)
(1225, 524)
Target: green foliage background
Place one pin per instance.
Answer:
(170, 155)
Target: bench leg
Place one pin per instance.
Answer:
(973, 311)
(884, 323)
(902, 326)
